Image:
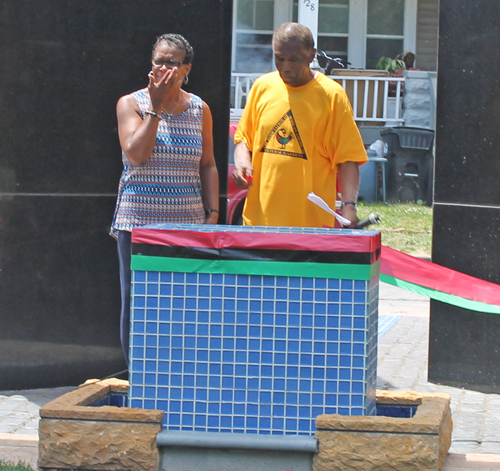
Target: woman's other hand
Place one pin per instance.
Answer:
(212, 218)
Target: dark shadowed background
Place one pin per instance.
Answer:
(64, 64)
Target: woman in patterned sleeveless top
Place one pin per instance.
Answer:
(169, 172)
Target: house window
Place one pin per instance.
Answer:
(333, 26)
(253, 35)
(360, 31)
(384, 30)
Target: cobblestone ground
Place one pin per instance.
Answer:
(402, 364)
(19, 409)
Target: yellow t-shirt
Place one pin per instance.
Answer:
(297, 136)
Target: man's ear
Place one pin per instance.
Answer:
(313, 55)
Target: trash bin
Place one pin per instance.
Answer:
(410, 163)
(368, 179)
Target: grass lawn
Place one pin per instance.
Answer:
(406, 227)
(12, 466)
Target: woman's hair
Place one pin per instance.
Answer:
(177, 41)
(288, 32)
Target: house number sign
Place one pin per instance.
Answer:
(308, 16)
(309, 5)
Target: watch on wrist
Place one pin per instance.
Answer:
(352, 203)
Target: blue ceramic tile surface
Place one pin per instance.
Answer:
(252, 354)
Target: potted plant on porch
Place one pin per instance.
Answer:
(395, 68)
(391, 65)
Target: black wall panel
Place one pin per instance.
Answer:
(468, 103)
(464, 345)
(65, 63)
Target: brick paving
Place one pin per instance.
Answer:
(402, 364)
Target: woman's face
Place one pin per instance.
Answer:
(166, 57)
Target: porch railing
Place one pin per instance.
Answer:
(369, 96)
(240, 86)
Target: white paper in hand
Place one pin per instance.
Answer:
(322, 204)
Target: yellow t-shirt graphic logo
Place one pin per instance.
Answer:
(281, 137)
(284, 139)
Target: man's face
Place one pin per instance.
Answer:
(292, 61)
(409, 60)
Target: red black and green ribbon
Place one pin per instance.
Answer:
(438, 282)
(319, 255)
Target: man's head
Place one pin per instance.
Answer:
(409, 59)
(293, 47)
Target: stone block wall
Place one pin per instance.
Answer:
(75, 435)
(406, 444)
(419, 106)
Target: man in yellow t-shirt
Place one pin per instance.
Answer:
(296, 132)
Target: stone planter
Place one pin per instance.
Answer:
(385, 443)
(84, 430)
(77, 432)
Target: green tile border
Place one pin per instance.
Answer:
(245, 267)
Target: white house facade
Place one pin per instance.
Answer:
(360, 31)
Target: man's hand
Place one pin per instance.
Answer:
(243, 172)
(349, 212)
(242, 177)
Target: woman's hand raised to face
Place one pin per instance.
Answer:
(165, 89)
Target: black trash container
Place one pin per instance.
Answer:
(410, 165)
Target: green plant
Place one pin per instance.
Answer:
(391, 65)
(11, 466)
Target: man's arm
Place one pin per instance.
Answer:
(243, 173)
(349, 184)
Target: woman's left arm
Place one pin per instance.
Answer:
(208, 171)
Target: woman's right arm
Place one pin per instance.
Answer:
(137, 136)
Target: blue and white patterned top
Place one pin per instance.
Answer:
(167, 187)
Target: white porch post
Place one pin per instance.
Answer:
(356, 46)
(308, 16)
(410, 25)
(282, 12)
